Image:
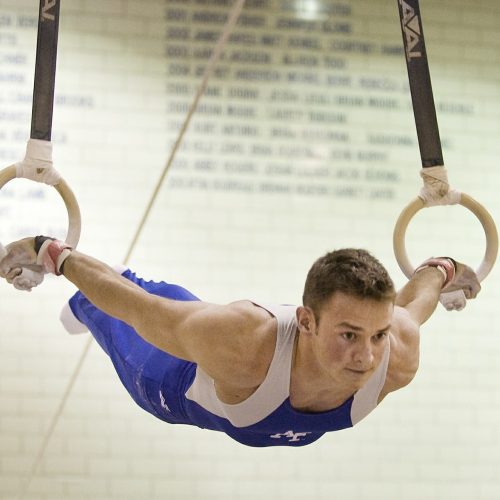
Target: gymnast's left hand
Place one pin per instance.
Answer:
(466, 280)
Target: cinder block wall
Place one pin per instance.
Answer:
(304, 142)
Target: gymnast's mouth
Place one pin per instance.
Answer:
(357, 372)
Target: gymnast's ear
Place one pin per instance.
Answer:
(306, 320)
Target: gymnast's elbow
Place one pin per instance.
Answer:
(158, 321)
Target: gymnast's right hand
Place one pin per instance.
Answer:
(19, 264)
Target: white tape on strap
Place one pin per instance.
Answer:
(436, 190)
(37, 164)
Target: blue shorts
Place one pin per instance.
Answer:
(141, 366)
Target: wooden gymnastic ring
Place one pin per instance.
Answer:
(476, 208)
(74, 217)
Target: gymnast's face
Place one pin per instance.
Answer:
(349, 338)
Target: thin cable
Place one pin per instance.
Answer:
(214, 59)
(233, 18)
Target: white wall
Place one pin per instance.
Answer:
(225, 236)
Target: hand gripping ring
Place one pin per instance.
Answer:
(74, 218)
(476, 208)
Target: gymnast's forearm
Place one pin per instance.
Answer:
(420, 295)
(104, 287)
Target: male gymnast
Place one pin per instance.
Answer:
(265, 375)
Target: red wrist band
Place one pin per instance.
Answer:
(58, 252)
(445, 264)
(52, 255)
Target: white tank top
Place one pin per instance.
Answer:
(275, 388)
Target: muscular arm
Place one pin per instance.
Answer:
(420, 296)
(106, 289)
(414, 305)
(222, 339)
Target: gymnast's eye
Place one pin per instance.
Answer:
(350, 336)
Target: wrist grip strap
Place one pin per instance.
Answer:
(445, 264)
(51, 254)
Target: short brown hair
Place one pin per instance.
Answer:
(351, 271)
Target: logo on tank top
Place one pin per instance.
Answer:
(292, 436)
